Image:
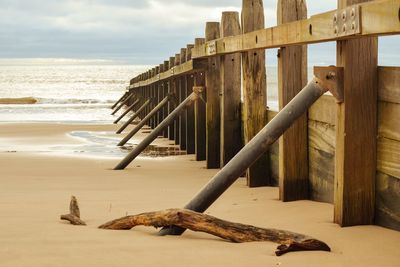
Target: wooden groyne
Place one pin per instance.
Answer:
(210, 98)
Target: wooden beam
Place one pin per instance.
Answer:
(389, 84)
(190, 125)
(356, 131)
(373, 18)
(254, 90)
(292, 77)
(213, 89)
(176, 87)
(171, 128)
(186, 68)
(200, 114)
(182, 96)
(231, 93)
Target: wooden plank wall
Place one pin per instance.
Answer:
(321, 138)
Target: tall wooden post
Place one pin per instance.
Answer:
(231, 92)
(171, 128)
(190, 119)
(213, 88)
(165, 92)
(356, 130)
(200, 114)
(182, 97)
(254, 90)
(292, 77)
(176, 86)
(160, 90)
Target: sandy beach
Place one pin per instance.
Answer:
(36, 186)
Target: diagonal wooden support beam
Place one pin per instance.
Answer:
(146, 119)
(134, 116)
(158, 130)
(131, 107)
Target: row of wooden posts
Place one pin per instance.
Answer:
(214, 105)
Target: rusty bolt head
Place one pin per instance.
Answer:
(344, 28)
(335, 18)
(353, 12)
(344, 15)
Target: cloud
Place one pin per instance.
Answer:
(141, 32)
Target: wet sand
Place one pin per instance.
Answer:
(36, 185)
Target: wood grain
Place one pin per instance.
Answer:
(254, 90)
(231, 93)
(356, 131)
(292, 77)
(213, 112)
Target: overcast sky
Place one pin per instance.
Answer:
(138, 32)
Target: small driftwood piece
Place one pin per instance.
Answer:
(74, 216)
(234, 232)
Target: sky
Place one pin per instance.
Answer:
(132, 31)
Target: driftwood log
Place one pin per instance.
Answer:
(74, 216)
(234, 232)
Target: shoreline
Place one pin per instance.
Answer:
(36, 190)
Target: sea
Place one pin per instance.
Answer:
(73, 91)
(65, 92)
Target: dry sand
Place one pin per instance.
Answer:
(35, 188)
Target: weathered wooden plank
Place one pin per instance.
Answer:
(387, 201)
(164, 94)
(182, 96)
(292, 77)
(254, 90)
(321, 153)
(190, 127)
(389, 120)
(376, 18)
(200, 114)
(171, 128)
(389, 84)
(389, 157)
(324, 110)
(356, 131)
(230, 93)
(213, 88)
(176, 88)
(179, 70)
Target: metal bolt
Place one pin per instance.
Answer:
(331, 75)
(344, 15)
(353, 25)
(353, 12)
(335, 18)
(344, 28)
(335, 30)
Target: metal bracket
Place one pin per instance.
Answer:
(332, 77)
(347, 21)
(211, 48)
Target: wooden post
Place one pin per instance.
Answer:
(200, 114)
(160, 116)
(165, 92)
(171, 128)
(190, 119)
(356, 130)
(254, 90)
(213, 88)
(230, 88)
(175, 86)
(182, 96)
(292, 77)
